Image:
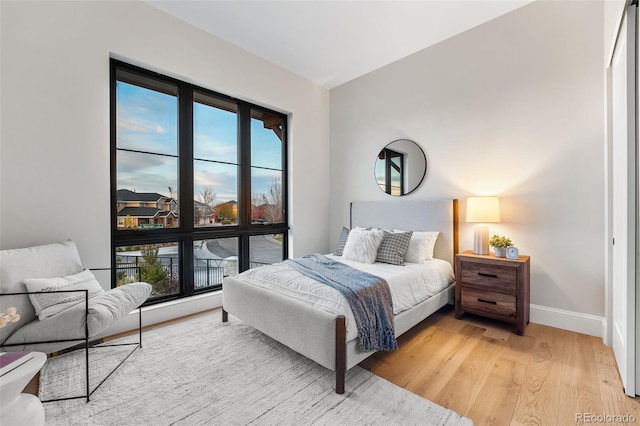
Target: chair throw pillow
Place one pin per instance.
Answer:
(63, 297)
(393, 247)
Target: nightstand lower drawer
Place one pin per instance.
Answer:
(492, 303)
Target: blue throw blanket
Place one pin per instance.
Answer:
(368, 295)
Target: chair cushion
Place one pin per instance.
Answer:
(105, 310)
(44, 261)
(65, 292)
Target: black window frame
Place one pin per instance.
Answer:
(390, 166)
(186, 232)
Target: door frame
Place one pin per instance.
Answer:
(623, 333)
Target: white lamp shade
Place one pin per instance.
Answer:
(483, 209)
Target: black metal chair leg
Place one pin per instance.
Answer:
(90, 392)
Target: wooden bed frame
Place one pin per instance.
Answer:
(321, 336)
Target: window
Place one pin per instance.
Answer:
(198, 184)
(216, 165)
(390, 172)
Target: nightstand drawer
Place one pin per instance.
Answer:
(491, 303)
(490, 277)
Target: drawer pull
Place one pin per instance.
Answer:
(484, 274)
(491, 302)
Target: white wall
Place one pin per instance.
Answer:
(513, 108)
(54, 152)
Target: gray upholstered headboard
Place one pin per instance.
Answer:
(419, 215)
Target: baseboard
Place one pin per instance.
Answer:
(552, 317)
(568, 320)
(166, 311)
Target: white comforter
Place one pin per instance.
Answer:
(409, 284)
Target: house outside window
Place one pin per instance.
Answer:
(198, 184)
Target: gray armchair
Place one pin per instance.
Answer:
(71, 308)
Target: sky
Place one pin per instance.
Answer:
(147, 121)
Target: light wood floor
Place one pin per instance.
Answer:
(480, 369)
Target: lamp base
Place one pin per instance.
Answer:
(481, 239)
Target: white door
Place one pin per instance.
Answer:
(623, 92)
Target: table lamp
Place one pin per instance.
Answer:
(482, 210)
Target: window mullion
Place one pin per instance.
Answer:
(244, 191)
(244, 137)
(185, 183)
(285, 188)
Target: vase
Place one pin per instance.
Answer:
(501, 251)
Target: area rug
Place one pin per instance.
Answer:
(201, 371)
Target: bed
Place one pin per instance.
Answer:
(322, 334)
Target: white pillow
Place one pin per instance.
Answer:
(362, 245)
(50, 304)
(421, 246)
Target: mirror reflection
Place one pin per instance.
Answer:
(400, 167)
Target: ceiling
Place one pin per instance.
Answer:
(332, 42)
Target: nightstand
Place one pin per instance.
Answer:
(493, 287)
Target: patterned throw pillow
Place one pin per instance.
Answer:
(342, 240)
(393, 247)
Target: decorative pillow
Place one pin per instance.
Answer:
(421, 246)
(393, 247)
(362, 245)
(50, 304)
(342, 240)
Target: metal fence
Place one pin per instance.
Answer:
(206, 272)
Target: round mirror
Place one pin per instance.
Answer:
(400, 167)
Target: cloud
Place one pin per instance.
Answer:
(133, 124)
(147, 120)
(209, 148)
(147, 172)
(261, 180)
(222, 178)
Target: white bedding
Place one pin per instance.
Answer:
(409, 284)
